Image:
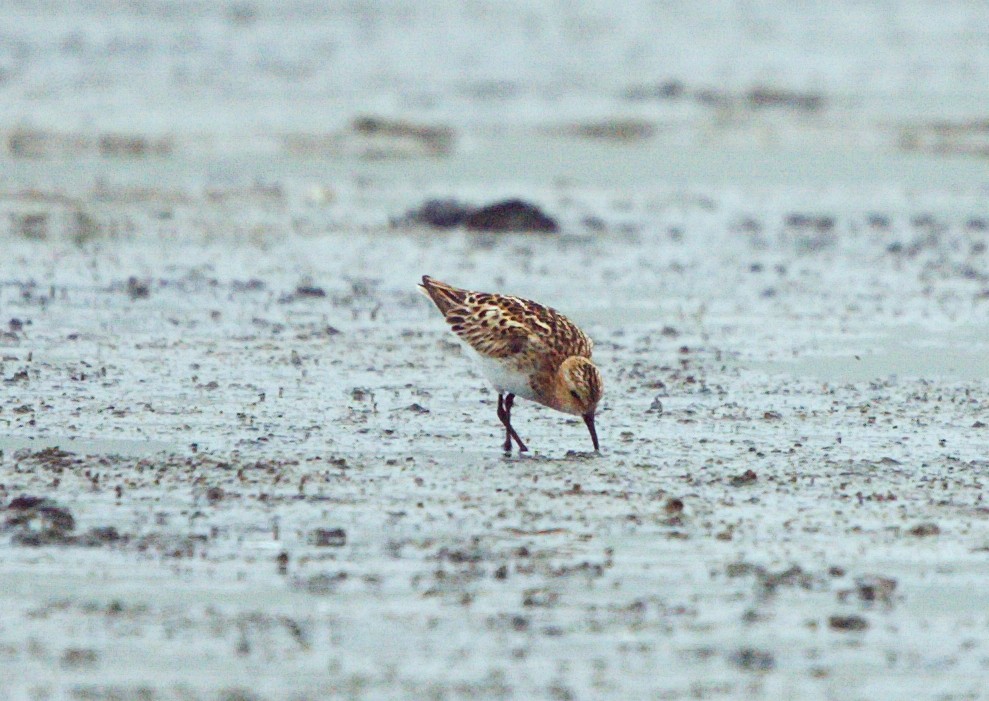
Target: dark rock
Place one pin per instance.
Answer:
(439, 214)
(511, 215)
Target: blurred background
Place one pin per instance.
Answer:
(504, 91)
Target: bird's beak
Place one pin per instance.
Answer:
(589, 420)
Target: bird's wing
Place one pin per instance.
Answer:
(502, 326)
(489, 328)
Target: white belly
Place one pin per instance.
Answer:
(504, 377)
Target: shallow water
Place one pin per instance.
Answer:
(264, 492)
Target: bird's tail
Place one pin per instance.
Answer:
(444, 296)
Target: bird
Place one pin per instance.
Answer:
(525, 350)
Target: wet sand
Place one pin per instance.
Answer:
(284, 479)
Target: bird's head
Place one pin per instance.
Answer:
(579, 389)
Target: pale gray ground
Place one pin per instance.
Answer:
(282, 494)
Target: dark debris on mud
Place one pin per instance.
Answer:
(39, 521)
(511, 215)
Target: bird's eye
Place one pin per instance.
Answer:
(573, 393)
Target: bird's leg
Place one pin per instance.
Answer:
(509, 431)
(504, 421)
(505, 416)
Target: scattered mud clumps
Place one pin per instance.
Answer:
(762, 97)
(435, 140)
(251, 285)
(947, 137)
(39, 521)
(753, 660)
(305, 290)
(743, 479)
(769, 582)
(511, 215)
(34, 143)
(215, 494)
(617, 130)
(849, 624)
(673, 506)
(133, 146)
(758, 97)
(817, 222)
(871, 589)
(79, 657)
(310, 291)
(137, 288)
(53, 459)
(32, 226)
(328, 537)
(922, 530)
(324, 583)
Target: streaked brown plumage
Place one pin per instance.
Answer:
(525, 349)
